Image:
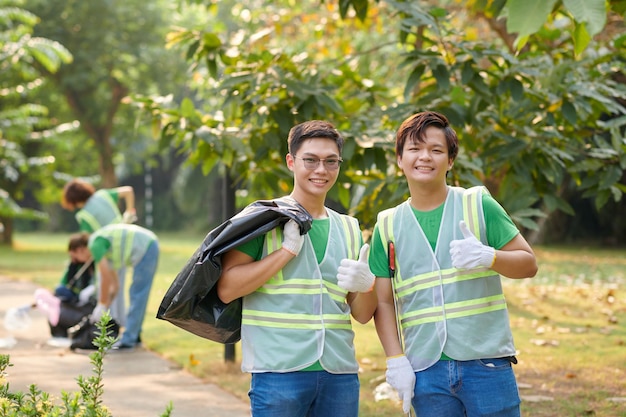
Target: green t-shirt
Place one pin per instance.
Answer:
(99, 247)
(500, 231)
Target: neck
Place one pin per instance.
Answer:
(428, 198)
(312, 204)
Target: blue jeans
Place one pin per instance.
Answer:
(138, 293)
(478, 388)
(304, 394)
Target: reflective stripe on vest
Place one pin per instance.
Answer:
(301, 312)
(121, 246)
(441, 307)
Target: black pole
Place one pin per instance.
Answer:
(228, 211)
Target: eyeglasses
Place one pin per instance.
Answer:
(330, 164)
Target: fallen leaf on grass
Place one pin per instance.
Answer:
(543, 342)
(536, 398)
(192, 360)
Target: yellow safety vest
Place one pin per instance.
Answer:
(99, 210)
(459, 312)
(300, 316)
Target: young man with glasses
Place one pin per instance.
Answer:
(299, 292)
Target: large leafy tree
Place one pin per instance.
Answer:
(25, 129)
(118, 49)
(539, 112)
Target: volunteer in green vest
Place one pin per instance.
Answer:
(95, 209)
(451, 245)
(125, 244)
(299, 292)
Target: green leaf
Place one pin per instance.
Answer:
(610, 177)
(581, 38)
(412, 81)
(442, 75)
(554, 202)
(187, 108)
(526, 17)
(591, 12)
(569, 112)
(601, 198)
(467, 72)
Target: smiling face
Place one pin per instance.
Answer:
(426, 161)
(313, 182)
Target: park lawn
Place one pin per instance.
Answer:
(568, 324)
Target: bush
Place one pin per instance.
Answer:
(86, 403)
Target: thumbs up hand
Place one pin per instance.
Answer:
(470, 252)
(355, 276)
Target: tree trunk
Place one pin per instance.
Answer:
(6, 224)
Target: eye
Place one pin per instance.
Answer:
(310, 160)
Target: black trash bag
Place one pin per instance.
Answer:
(191, 302)
(83, 333)
(70, 314)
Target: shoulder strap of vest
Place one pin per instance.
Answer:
(385, 228)
(472, 200)
(352, 232)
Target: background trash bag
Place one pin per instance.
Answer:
(69, 316)
(191, 302)
(83, 333)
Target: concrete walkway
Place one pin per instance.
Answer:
(136, 384)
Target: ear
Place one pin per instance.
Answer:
(399, 162)
(290, 161)
(450, 164)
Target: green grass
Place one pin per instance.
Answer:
(568, 324)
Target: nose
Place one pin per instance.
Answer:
(424, 154)
(320, 167)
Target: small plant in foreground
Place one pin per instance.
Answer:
(86, 403)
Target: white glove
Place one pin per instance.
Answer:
(401, 376)
(470, 252)
(97, 313)
(292, 239)
(85, 294)
(355, 276)
(129, 216)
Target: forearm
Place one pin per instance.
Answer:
(387, 329)
(515, 264)
(362, 305)
(516, 259)
(109, 284)
(127, 193)
(242, 279)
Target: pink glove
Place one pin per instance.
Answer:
(355, 276)
(470, 252)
